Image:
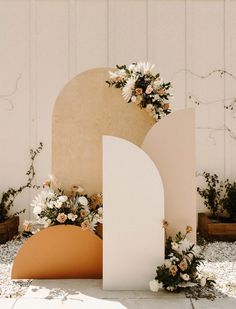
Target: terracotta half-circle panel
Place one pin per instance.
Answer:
(171, 145)
(62, 251)
(85, 110)
(133, 201)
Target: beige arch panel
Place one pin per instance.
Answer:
(133, 198)
(171, 145)
(85, 110)
(58, 252)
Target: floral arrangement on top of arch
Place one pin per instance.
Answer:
(53, 206)
(143, 87)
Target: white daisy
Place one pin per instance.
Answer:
(117, 75)
(128, 88)
(82, 200)
(40, 199)
(144, 67)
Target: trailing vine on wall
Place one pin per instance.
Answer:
(7, 98)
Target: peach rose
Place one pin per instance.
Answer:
(138, 91)
(61, 218)
(83, 213)
(173, 270)
(86, 225)
(149, 89)
(161, 91)
(183, 265)
(166, 106)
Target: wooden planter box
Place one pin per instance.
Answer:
(215, 230)
(8, 229)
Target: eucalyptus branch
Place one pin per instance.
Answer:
(8, 197)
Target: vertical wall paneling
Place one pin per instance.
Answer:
(205, 86)
(127, 37)
(91, 34)
(230, 92)
(14, 100)
(51, 70)
(167, 44)
(228, 84)
(33, 117)
(72, 39)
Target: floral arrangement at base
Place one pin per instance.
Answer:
(141, 86)
(180, 269)
(53, 206)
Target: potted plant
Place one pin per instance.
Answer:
(229, 200)
(9, 223)
(220, 222)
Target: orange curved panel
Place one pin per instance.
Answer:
(62, 251)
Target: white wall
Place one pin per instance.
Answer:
(44, 43)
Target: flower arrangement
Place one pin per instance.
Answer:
(229, 200)
(141, 86)
(53, 206)
(180, 269)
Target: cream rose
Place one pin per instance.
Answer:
(72, 217)
(185, 277)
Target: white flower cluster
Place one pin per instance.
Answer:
(52, 207)
(181, 268)
(141, 86)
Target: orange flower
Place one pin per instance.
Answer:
(189, 229)
(76, 189)
(47, 183)
(166, 106)
(96, 201)
(138, 91)
(165, 224)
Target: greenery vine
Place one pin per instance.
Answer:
(8, 197)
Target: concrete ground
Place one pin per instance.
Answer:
(88, 294)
